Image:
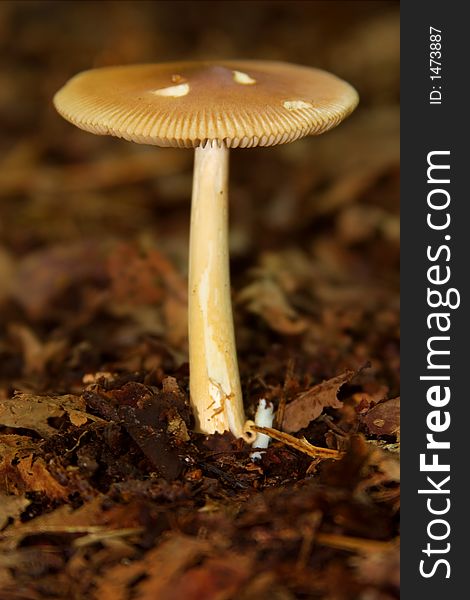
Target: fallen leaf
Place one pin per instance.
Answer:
(43, 275)
(37, 478)
(143, 280)
(159, 568)
(264, 584)
(156, 420)
(11, 507)
(28, 411)
(89, 519)
(36, 354)
(28, 563)
(21, 470)
(77, 417)
(358, 223)
(13, 447)
(381, 476)
(266, 299)
(309, 405)
(380, 568)
(218, 578)
(384, 418)
(134, 279)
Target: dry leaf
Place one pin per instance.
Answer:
(277, 277)
(380, 568)
(384, 418)
(77, 417)
(38, 479)
(11, 448)
(309, 405)
(134, 279)
(90, 518)
(142, 280)
(266, 299)
(36, 354)
(21, 472)
(217, 578)
(44, 275)
(28, 411)
(381, 477)
(11, 507)
(161, 566)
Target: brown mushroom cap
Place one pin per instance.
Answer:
(242, 103)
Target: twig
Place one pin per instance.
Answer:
(354, 544)
(299, 444)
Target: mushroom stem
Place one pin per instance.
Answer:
(215, 389)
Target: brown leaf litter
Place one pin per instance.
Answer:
(106, 492)
(309, 405)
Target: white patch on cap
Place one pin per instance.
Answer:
(243, 78)
(175, 91)
(296, 104)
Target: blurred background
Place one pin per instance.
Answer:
(94, 230)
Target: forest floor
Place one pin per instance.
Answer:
(106, 492)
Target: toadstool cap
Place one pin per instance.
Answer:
(188, 104)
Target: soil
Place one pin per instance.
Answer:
(106, 492)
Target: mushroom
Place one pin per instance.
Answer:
(212, 107)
